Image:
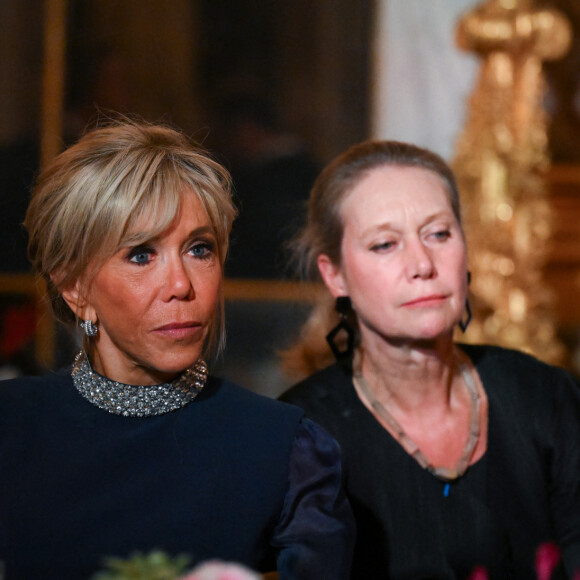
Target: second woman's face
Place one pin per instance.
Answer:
(154, 302)
(403, 256)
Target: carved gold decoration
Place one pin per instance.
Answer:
(499, 161)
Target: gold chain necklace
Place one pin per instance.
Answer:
(442, 473)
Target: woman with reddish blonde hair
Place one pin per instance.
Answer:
(455, 456)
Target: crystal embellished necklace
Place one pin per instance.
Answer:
(137, 401)
(442, 473)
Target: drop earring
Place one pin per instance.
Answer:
(464, 323)
(343, 307)
(90, 328)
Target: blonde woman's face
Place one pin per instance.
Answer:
(154, 303)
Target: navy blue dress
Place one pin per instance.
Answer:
(232, 475)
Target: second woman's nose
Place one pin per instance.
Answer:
(419, 261)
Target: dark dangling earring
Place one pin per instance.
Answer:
(343, 307)
(463, 324)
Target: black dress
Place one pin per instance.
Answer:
(232, 476)
(525, 490)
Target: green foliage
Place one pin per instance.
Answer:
(154, 566)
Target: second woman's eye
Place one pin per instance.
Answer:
(442, 235)
(382, 246)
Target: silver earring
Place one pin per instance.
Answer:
(89, 328)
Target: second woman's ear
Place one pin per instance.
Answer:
(332, 276)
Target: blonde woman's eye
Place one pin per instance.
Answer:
(202, 250)
(140, 255)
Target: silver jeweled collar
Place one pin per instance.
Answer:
(137, 401)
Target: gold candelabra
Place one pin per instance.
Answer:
(500, 159)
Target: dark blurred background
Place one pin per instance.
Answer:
(273, 89)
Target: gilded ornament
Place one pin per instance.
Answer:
(499, 161)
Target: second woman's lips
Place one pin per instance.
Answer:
(426, 300)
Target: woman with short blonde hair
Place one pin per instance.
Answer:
(96, 192)
(136, 447)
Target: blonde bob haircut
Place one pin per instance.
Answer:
(96, 196)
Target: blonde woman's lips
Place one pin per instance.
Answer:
(179, 330)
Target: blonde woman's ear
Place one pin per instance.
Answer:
(77, 302)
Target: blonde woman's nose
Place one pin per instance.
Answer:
(178, 283)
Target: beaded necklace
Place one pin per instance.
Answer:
(443, 473)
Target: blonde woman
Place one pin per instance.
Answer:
(136, 447)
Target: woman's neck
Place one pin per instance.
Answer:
(410, 376)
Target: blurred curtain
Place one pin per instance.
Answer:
(421, 79)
